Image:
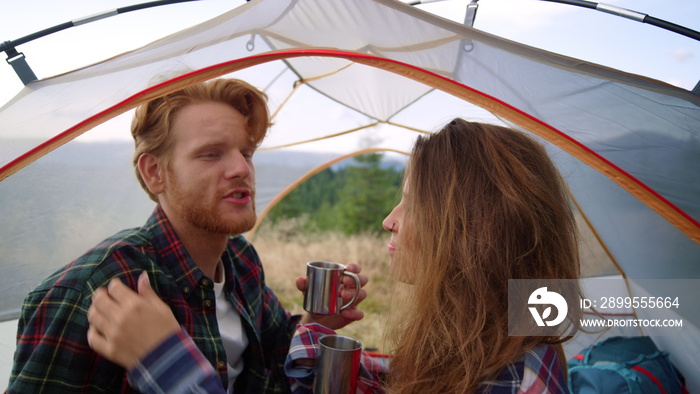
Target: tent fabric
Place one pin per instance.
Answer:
(628, 146)
(641, 191)
(429, 44)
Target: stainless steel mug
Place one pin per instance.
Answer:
(322, 294)
(337, 365)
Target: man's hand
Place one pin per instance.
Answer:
(126, 326)
(347, 315)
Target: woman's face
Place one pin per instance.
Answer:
(395, 224)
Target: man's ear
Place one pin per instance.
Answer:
(152, 172)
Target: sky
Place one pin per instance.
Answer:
(569, 30)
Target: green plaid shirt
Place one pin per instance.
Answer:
(52, 350)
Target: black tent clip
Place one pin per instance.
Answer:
(18, 63)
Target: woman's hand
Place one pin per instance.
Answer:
(124, 325)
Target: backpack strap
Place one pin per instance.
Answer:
(650, 376)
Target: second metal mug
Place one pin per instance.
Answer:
(337, 365)
(322, 294)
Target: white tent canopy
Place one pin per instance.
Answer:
(628, 146)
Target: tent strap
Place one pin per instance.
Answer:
(301, 82)
(319, 138)
(19, 63)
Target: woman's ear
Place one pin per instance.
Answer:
(152, 173)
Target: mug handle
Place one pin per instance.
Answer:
(358, 286)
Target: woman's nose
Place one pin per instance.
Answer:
(388, 224)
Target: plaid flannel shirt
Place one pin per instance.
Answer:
(539, 370)
(52, 350)
(175, 366)
(536, 371)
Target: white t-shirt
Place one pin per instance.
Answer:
(232, 334)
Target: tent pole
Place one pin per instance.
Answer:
(17, 59)
(633, 15)
(636, 16)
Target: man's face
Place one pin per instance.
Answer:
(210, 180)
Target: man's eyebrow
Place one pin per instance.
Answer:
(220, 144)
(208, 145)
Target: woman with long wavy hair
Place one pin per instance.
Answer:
(481, 204)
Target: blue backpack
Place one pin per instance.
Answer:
(618, 365)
